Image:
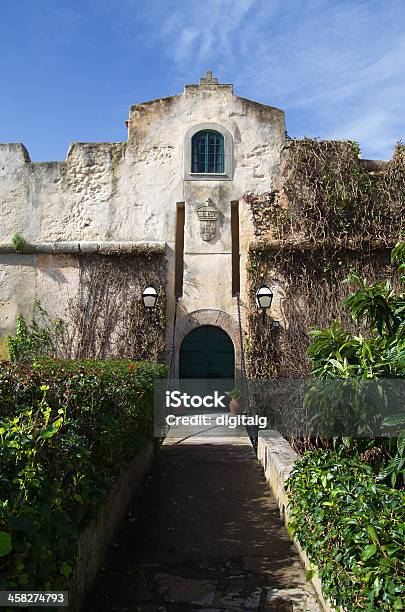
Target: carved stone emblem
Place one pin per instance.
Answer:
(208, 214)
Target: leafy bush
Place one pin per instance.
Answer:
(30, 341)
(351, 524)
(335, 353)
(34, 340)
(18, 241)
(67, 429)
(352, 528)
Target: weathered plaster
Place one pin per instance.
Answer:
(127, 192)
(17, 288)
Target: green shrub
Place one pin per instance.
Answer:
(352, 528)
(68, 429)
(34, 340)
(30, 341)
(18, 241)
(336, 353)
(351, 524)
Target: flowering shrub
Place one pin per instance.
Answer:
(68, 429)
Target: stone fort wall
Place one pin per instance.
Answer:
(128, 191)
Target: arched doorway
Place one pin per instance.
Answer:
(207, 352)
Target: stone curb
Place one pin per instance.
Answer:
(277, 458)
(97, 537)
(85, 247)
(274, 245)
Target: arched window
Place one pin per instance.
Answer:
(207, 152)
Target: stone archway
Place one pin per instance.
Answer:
(217, 318)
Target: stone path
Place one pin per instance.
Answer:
(203, 534)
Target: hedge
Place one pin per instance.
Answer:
(352, 528)
(68, 430)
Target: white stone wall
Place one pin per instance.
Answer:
(128, 192)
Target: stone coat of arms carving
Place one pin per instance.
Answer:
(208, 214)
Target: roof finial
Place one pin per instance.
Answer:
(208, 79)
(209, 83)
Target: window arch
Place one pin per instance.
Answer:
(207, 156)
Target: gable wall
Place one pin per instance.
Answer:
(128, 192)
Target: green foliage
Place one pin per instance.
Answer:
(377, 304)
(397, 464)
(5, 543)
(18, 241)
(68, 429)
(234, 394)
(44, 339)
(30, 341)
(344, 508)
(398, 256)
(353, 529)
(335, 353)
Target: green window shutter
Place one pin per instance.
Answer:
(207, 152)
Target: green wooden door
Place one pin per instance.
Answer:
(207, 352)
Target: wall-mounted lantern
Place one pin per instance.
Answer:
(264, 298)
(149, 298)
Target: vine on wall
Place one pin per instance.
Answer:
(327, 193)
(313, 288)
(329, 215)
(108, 316)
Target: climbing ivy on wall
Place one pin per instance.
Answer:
(326, 192)
(328, 216)
(312, 283)
(108, 316)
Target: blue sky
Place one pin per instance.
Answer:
(69, 69)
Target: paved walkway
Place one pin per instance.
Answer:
(203, 534)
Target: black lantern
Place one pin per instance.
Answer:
(149, 297)
(275, 326)
(264, 298)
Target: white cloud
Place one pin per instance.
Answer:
(338, 64)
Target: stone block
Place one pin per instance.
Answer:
(186, 590)
(42, 247)
(88, 247)
(108, 248)
(7, 247)
(288, 600)
(241, 600)
(65, 247)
